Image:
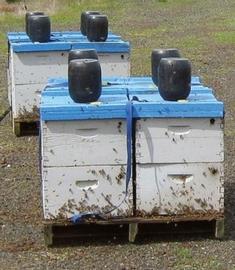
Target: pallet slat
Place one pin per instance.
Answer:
(130, 229)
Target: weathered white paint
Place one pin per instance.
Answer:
(83, 160)
(85, 142)
(167, 189)
(26, 98)
(9, 87)
(10, 76)
(38, 67)
(84, 167)
(31, 70)
(179, 140)
(73, 190)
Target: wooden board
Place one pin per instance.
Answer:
(131, 229)
(179, 189)
(25, 100)
(38, 67)
(86, 142)
(25, 128)
(171, 140)
(73, 190)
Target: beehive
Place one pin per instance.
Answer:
(179, 156)
(30, 65)
(90, 174)
(178, 151)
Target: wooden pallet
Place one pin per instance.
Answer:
(130, 228)
(25, 128)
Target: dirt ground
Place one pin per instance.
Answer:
(204, 32)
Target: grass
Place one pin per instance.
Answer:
(189, 42)
(185, 259)
(229, 22)
(227, 37)
(3, 43)
(8, 22)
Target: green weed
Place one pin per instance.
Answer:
(189, 42)
(227, 37)
(184, 253)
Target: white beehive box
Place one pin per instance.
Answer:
(32, 64)
(83, 149)
(179, 156)
(177, 163)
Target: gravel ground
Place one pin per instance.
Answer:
(199, 29)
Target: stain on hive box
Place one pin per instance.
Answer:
(25, 115)
(213, 171)
(119, 127)
(71, 207)
(121, 175)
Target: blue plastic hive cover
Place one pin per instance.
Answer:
(136, 81)
(56, 103)
(121, 85)
(66, 41)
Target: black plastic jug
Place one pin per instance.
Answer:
(39, 27)
(97, 28)
(157, 55)
(27, 15)
(84, 80)
(174, 78)
(84, 18)
(83, 54)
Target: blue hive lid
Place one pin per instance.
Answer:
(122, 85)
(56, 103)
(64, 108)
(65, 41)
(135, 82)
(64, 36)
(197, 105)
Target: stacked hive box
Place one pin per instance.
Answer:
(177, 156)
(90, 174)
(32, 64)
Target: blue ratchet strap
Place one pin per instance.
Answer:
(129, 121)
(86, 215)
(129, 127)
